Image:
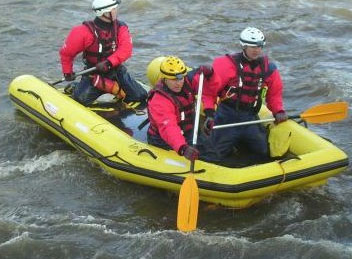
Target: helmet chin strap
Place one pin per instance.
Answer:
(108, 17)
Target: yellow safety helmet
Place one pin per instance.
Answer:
(153, 70)
(173, 67)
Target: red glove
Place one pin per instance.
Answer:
(209, 121)
(189, 152)
(69, 76)
(103, 66)
(207, 71)
(280, 117)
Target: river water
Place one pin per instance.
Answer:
(54, 203)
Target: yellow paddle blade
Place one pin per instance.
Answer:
(188, 201)
(324, 113)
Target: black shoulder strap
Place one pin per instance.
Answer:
(91, 27)
(262, 67)
(236, 60)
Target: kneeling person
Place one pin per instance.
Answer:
(106, 43)
(171, 108)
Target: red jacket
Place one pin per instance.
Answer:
(81, 38)
(165, 115)
(227, 72)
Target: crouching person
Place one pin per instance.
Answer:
(171, 108)
(106, 44)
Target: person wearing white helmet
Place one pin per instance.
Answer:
(246, 78)
(106, 44)
(103, 8)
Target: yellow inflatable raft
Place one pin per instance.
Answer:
(313, 159)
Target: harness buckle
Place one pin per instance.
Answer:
(230, 92)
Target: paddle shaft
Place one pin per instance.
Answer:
(83, 72)
(242, 123)
(187, 211)
(321, 113)
(196, 119)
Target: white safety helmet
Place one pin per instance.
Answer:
(252, 37)
(104, 6)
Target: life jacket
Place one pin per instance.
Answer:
(104, 43)
(245, 91)
(103, 46)
(184, 106)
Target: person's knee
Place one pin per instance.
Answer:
(262, 150)
(80, 97)
(121, 69)
(264, 153)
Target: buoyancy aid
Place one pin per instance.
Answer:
(104, 42)
(244, 92)
(103, 46)
(184, 103)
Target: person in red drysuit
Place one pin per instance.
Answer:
(245, 77)
(106, 44)
(171, 108)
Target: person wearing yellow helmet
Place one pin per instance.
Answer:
(106, 44)
(153, 70)
(171, 108)
(173, 68)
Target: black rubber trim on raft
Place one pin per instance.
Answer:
(235, 188)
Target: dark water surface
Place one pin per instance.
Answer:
(54, 203)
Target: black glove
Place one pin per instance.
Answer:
(280, 117)
(189, 152)
(207, 71)
(69, 76)
(209, 121)
(103, 66)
